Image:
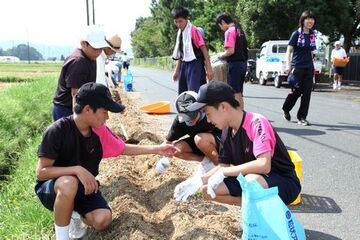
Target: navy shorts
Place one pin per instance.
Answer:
(339, 70)
(190, 141)
(192, 76)
(288, 185)
(236, 75)
(83, 204)
(61, 111)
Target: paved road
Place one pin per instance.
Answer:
(330, 149)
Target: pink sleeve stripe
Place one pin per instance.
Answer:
(197, 37)
(112, 145)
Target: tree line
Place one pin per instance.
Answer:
(261, 20)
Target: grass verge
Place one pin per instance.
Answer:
(25, 112)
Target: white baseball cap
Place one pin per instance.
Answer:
(337, 43)
(95, 37)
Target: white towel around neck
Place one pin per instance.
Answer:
(188, 50)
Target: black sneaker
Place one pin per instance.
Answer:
(287, 116)
(303, 122)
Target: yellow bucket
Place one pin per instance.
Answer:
(295, 158)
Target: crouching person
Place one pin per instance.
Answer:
(250, 146)
(69, 158)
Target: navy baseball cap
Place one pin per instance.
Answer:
(99, 96)
(212, 93)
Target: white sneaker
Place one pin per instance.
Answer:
(335, 86)
(77, 228)
(339, 86)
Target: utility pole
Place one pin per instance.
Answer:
(93, 7)
(87, 12)
(28, 45)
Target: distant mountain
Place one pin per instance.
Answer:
(47, 51)
(50, 51)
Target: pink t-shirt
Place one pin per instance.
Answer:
(197, 37)
(230, 37)
(112, 145)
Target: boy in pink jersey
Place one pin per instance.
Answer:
(236, 54)
(250, 146)
(69, 157)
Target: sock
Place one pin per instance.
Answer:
(62, 233)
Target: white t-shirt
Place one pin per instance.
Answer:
(338, 53)
(100, 68)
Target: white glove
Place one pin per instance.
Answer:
(204, 166)
(162, 165)
(187, 188)
(214, 181)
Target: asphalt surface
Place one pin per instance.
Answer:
(329, 148)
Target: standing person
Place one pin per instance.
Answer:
(78, 69)
(251, 147)
(126, 61)
(69, 156)
(338, 52)
(301, 46)
(114, 47)
(191, 54)
(236, 54)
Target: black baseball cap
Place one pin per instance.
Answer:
(184, 100)
(212, 93)
(99, 96)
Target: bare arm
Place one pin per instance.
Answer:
(209, 71)
(289, 51)
(228, 52)
(45, 171)
(73, 94)
(262, 165)
(164, 149)
(177, 70)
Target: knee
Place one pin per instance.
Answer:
(202, 140)
(66, 186)
(102, 221)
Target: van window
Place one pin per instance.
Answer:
(262, 51)
(279, 48)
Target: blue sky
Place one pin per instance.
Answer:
(61, 22)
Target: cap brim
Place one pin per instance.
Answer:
(195, 106)
(99, 44)
(115, 107)
(116, 50)
(183, 117)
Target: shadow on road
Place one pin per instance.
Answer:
(316, 204)
(312, 235)
(301, 131)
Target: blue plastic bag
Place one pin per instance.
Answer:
(265, 216)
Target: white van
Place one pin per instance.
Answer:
(270, 62)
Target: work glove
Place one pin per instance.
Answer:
(204, 166)
(214, 181)
(187, 188)
(162, 164)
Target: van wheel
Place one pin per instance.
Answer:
(277, 81)
(262, 80)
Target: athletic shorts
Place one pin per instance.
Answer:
(339, 70)
(192, 76)
(61, 111)
(288, 185)
(83, 204)
(190, 141)
(236, 75)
